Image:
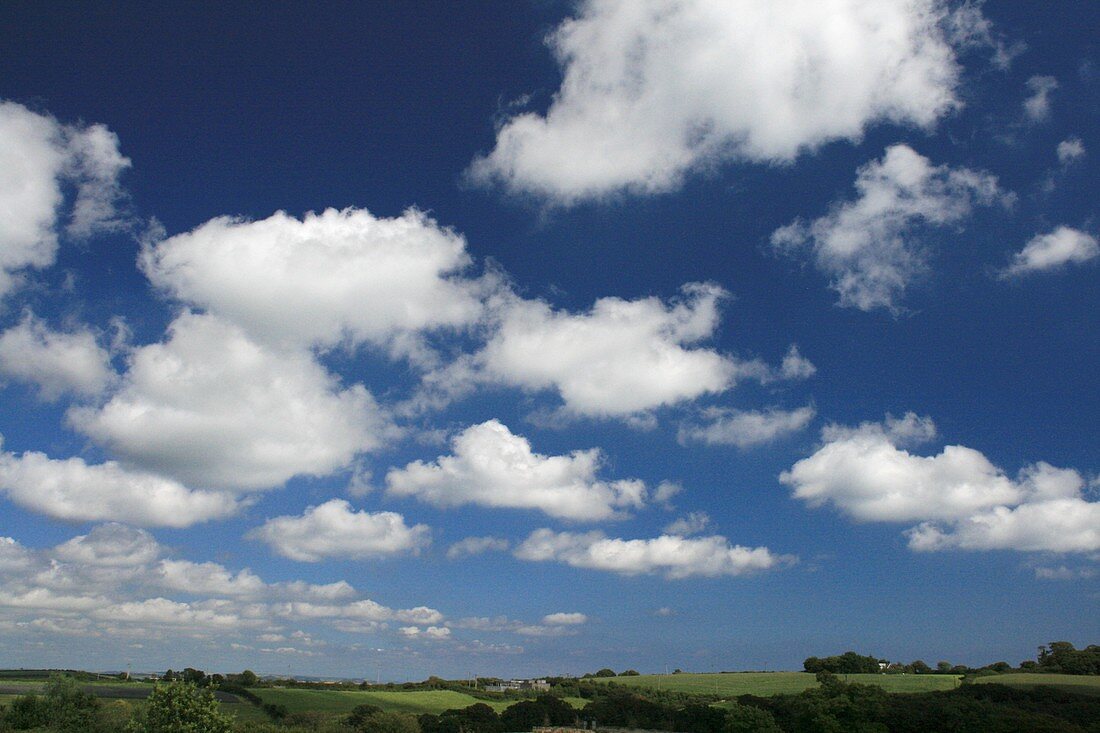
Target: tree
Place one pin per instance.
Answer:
(919, 667)
(383, 722)
(247, 678)
(71, 709)
(523, 716)
(605, 672)
(180, 707)
(748, 719)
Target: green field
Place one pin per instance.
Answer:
(1081, 684)
(342, 701)
(764, 684)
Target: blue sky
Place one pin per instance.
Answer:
(388, 340)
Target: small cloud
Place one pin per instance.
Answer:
(1047, 252)
(564, 619)
(1037, 106)
(693, 523)
(1070, 150)
(475, 546)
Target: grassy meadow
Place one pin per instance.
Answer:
(1080, 684)
(398, 701)
(765, 684)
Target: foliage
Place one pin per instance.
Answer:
(380, 721)
(477, 718)
(748, 719)
(544, 710)
(626, 709)
(63, 707)
(180, 707)
(1061, 656)
(846, 663)
(26, 712)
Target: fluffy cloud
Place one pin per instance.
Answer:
(1051, 251)
(1070, 149)
(693, 523)
(207, 579)
(564, 619)
(620, 359)
(869, 247)
(435, 633)
(215, 409)
(492, 467)
(107, 576)
(676, 557)
(39, 159)
(329, 277)
(72, 490)
(653, 90)
(724, 426)
(1037, 106)
(57, 362)
(333, 529)
(960, 499)
(110, 545)
(863, 472)
(470, 546)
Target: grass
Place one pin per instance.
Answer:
(342, 701)
(766, 684)
(1080, 684)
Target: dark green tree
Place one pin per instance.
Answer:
(180, 707)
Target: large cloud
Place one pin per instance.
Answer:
(115, 582)
(1053, 251)
(959, 497)
(39, 159)
(57, 362)
(622, 358)
(215, 409)
(72, 491)
(654, 89)
(870, 247)
(333, 529)
(675, 556)
(322, 279)
(492, 467)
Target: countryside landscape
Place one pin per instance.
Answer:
(1057, 692)
(545, 366)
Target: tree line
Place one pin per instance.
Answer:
(1056, 657)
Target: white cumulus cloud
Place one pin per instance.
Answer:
(40, 158)
(676, 557)
(215, 409)
(333, 529)
(621, 359)
(72, 490)
(323, 279)
(655, 89)
(110, 545)
(870, 247)
(57, 362)
(1051, 251)
(960, 499)
(565, 619)
(490, 466)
